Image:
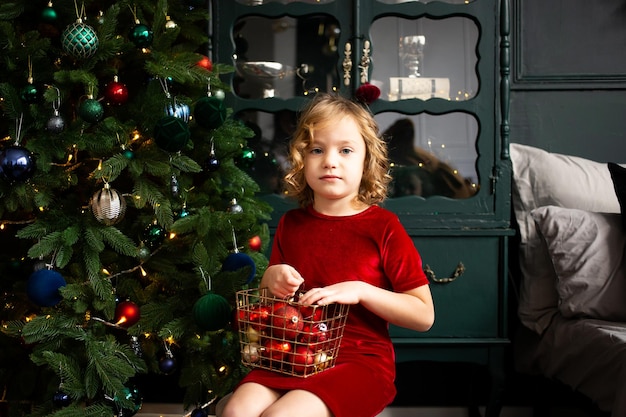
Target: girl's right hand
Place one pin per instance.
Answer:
(282, 280)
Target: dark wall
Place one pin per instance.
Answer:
(569, 77)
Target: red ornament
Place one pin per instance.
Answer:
(367, 93)
(254, 243)
(126, 314)
(275, 349)
(116, 92)
(206, 63)
(259, 316)
(302, 359)
(314, 333)
(286, 321)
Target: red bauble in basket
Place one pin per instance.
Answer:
(287, 321)
(314, 333)
(259, 316)
(313, 313)
(302, 358)
(275, 350)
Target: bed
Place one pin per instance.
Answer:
(572, 283)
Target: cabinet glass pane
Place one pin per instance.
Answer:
(424, 58)
(260, 2)
(425, 1)
(285, 57)
(432, 154)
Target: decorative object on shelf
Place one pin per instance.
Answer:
(365, 62)
(411, 51)
(347, 64)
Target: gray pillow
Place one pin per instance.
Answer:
(587, 252)
(542, 178)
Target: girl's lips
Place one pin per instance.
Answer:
(329, 177)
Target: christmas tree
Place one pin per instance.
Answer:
(128, 217)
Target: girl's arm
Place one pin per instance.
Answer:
(412, 309)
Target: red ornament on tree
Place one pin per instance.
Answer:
(126, 314)
(254, 243)
(206, 63)
(116, 92)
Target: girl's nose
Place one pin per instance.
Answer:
(330, 160)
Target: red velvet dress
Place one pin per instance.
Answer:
(371, 246)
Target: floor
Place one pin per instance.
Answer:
(174, 410)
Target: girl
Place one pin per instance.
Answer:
(343, 248)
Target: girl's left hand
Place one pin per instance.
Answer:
(347, 292)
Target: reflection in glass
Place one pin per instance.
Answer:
(430, 155)
(285, 57)
(426, 1)
(425, 58)
(260, 2)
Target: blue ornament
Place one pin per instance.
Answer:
(16, 163)
(238, 260)
(168, 365)
(43, 287)
(61, 399)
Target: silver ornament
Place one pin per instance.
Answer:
(55, 124)
(235, 207)
(108, 205)
(178, 110)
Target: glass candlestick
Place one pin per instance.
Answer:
(411, 51)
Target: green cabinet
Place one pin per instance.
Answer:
(442, 70)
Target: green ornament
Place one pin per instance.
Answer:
(210, 112)
(49, 15)
(133, 395)
(247, 158)
(211, 312)
(153, 236)
(91, 110)
(30, 93)
(128, 154)
(141, 35)
(79, 40)
(171, 134)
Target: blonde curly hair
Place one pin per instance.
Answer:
(324, 110)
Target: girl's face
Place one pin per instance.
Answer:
(334, 162)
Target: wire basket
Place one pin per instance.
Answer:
(287, 337)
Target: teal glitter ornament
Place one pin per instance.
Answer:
(132, 394)
(210, 112)
(79, 40)
(153, 236)
(141, 35)
(91, 110)
(211, 312)
(171, 134)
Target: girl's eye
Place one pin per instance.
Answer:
(316, 151)
(346, 150)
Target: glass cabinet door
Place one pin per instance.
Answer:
(434, 63)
